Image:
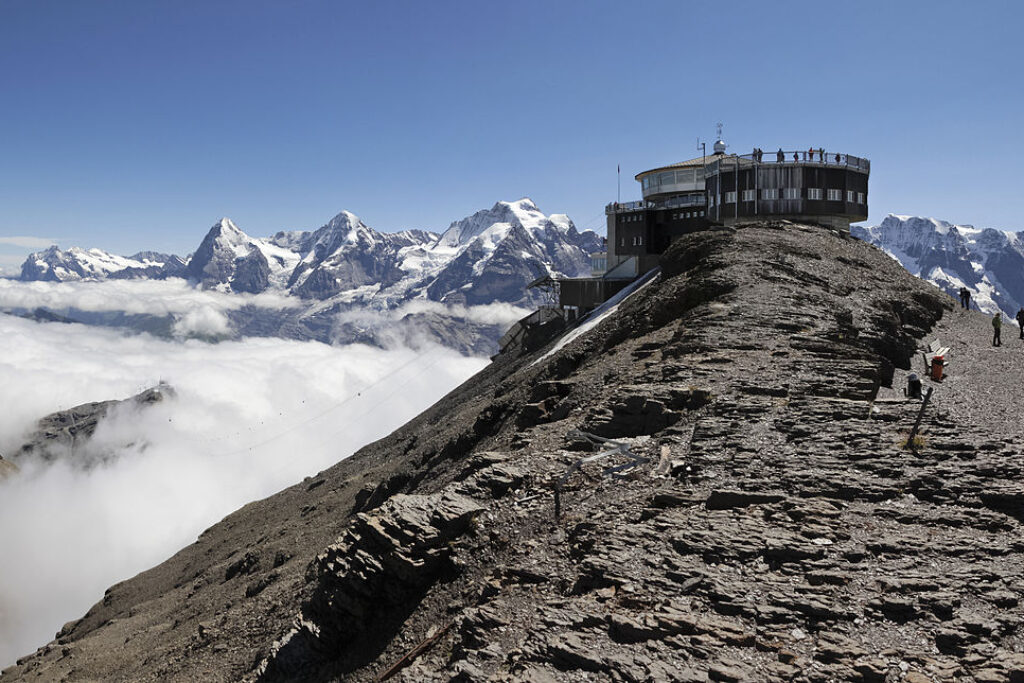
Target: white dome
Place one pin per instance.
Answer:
(719, 147)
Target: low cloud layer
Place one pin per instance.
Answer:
(250, 418)
(173, 296)
(486, 314)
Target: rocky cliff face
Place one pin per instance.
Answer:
(768, 523)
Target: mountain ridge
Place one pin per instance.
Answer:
(989, 262)
(778, 530)
(346, 266)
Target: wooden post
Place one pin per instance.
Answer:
(917, 422)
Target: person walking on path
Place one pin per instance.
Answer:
(965, 298)
(1020, 321)
(997, 328)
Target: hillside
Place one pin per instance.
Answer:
(784, 535)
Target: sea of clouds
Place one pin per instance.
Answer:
(194, 311)
(248, 418)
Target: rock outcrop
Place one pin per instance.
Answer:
(758, 516)
(66, 433)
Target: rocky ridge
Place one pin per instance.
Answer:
(66, 434)
(771, 524)
(56, 265)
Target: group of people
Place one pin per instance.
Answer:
(997, 326)
(997, 319)
(780, 156)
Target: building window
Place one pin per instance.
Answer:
(792, 193)
(730, 197)
(860, 197)
(640, 241)
(770, 193)
(835, 195)
(749, 195)
(814, 193)
(702, 214)
(622, 242)
(849, 196)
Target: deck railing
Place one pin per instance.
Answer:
(696, 199)
(807, 157)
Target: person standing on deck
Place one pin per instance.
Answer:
(997, 328)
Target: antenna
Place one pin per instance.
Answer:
(719, 130)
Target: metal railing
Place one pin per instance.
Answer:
(696, 199)
(807, 157)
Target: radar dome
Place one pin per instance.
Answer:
(719, 147)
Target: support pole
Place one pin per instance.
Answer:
(917, 422)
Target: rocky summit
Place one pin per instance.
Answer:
(714, 483)
(67, 434)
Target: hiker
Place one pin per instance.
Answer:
(997, 328)
(1020, 321)
(965, 298)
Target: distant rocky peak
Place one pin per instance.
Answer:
(340, 233)
(523, 213)
(226, 229)
(345, 220)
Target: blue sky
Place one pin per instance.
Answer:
(131, 125)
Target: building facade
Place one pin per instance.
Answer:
(811, 186)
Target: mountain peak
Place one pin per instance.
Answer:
(523, 204)
(226, 225)
(345, 217)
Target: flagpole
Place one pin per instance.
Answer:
(618, 180)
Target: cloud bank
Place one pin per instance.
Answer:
(250, 418)
(173, 296)
(28, 242)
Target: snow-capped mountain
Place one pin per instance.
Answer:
(229, 259)
(55, 265)
(487, 257)
(344, 266)
(499, 250)
(988, 262)
(346, 254)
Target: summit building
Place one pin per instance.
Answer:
(816, 186)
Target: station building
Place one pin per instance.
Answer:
(814, 186)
